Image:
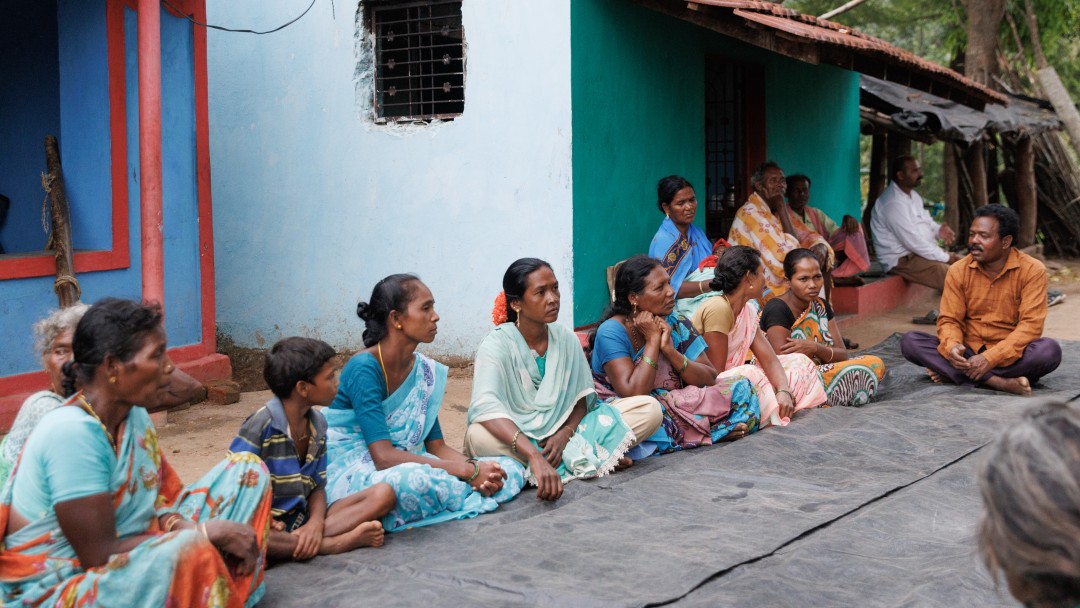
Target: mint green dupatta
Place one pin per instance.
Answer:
(507, 383)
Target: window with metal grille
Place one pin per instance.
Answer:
(419, 60)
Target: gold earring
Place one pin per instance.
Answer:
(633, 312)
(517, 318)
(399, 325)
(112, 379)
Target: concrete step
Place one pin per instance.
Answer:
(877, 296)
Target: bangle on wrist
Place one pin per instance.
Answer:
(649, 360)
(513, 443)
(789, 394)
(476, 469)
(832, 355)
(685, 363)
(700, 287)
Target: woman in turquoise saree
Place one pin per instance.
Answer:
(90, 520)
(383, 425)
(533, 398)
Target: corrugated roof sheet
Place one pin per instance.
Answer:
(847, 39)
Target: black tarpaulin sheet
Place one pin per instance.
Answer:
(764, 514)
(921, 112)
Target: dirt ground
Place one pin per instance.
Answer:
(196, 438)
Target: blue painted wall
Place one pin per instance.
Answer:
(29, 109)
(85, 150)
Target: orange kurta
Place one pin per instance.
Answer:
(1002, 314)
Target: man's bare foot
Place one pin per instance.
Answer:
(934, 376)
(737, 432)
(624, 463)
(1016, 386)
(367, 534)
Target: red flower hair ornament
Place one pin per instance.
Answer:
(498, 311)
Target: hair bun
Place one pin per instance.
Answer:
(363, 310)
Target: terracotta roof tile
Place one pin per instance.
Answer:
(832, 34)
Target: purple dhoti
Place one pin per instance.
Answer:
(1040, 357)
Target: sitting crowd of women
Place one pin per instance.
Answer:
(683, 357)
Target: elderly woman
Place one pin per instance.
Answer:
(384, 423)
(533, 397)
(1030, 486)
(91, 480)
(640, 348)
(52, 341)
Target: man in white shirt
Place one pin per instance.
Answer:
(905, 236)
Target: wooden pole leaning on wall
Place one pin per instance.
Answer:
(1025, 190)
(66, 286)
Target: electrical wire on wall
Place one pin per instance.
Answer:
(246, 31)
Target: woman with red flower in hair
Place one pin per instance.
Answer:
(533, 397)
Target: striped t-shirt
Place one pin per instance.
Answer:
(266, 434)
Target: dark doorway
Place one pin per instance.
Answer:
(734, 138)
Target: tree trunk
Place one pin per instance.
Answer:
(66, 286)
(983, 22)
(952, 187)
(1025, 190)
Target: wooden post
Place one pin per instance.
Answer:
(66, 286)
(952, 187)
(1025, 189)
(878, 180)
(976, 162)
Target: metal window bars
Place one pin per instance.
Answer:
(420, 61)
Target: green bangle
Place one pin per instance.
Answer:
(685, 362)
(789, 394)
(476, 472)
(648, 359)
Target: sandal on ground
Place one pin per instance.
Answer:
(929, 319)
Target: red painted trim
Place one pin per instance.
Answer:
(44, 264)
(206, 210)
(150, 167)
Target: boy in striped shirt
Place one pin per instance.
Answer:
(289, 435)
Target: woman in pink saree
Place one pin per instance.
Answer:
(729, 324)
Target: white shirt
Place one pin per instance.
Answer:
(900, 225)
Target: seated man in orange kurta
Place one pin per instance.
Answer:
(765, 223)
(992, 314)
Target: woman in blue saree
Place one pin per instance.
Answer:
(533, 398)
(681, 246)
(384, 427)
(93, 514)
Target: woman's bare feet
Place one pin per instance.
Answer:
(737, 432)
(1016, 386)
(934, 376)
(624, 463)
(367, 534)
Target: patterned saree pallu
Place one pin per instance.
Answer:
(38, 566)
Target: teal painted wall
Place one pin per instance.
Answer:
(638, 96)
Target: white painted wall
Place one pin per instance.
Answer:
(313, 203)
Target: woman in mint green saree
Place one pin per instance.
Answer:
(533, 398)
